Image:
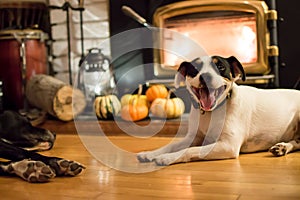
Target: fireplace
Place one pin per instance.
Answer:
(245, 29)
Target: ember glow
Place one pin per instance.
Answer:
(218, 35)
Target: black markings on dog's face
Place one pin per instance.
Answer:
(236, 67)
(209, 79)
(187, 69)
(203, 72)
(222, 66)
(198, 64)
(226, 67)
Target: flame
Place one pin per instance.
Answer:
(224, 36)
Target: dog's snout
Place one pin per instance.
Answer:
(51, 134)
(206, 79)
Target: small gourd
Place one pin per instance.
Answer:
(106, 107)
(138, 98)
(156, 91)
(167, 107)
(136, 108)
(133, 112)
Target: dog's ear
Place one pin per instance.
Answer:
(180, 75)
(185, 69)
(236, 67)
(179, 78)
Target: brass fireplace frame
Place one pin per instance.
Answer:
(263, 14)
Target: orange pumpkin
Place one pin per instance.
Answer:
(134, 107)
(167, 108)
(156, 91)
(134, 112)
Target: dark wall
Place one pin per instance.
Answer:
(146, 8)
(289, 42)
(125, 73)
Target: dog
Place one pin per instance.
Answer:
(19, 141)
(232, 118)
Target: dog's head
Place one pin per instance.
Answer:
(209, 79)
(18, 131)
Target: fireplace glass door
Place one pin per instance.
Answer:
(223, 33)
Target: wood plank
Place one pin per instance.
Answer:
(251, 176)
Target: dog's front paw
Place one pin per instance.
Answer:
(279, 149)
(164, 159)
(64, 167)
(172, 158)
(31, 171)
(146, 156)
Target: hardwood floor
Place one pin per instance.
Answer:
(251, 176)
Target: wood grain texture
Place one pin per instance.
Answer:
(54, 96)
(251, 176)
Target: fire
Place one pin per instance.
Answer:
(224, 36)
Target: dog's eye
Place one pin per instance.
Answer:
(221, 67)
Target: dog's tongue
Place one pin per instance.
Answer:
(207, 99)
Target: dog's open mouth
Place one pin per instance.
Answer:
(208, 96)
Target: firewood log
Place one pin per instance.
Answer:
(55, 96)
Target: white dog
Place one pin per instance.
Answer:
(227, 119)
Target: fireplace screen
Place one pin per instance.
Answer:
(223, 33)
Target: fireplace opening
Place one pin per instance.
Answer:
(225, 28)
(223, 33)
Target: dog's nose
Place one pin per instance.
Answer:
(51, 136)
